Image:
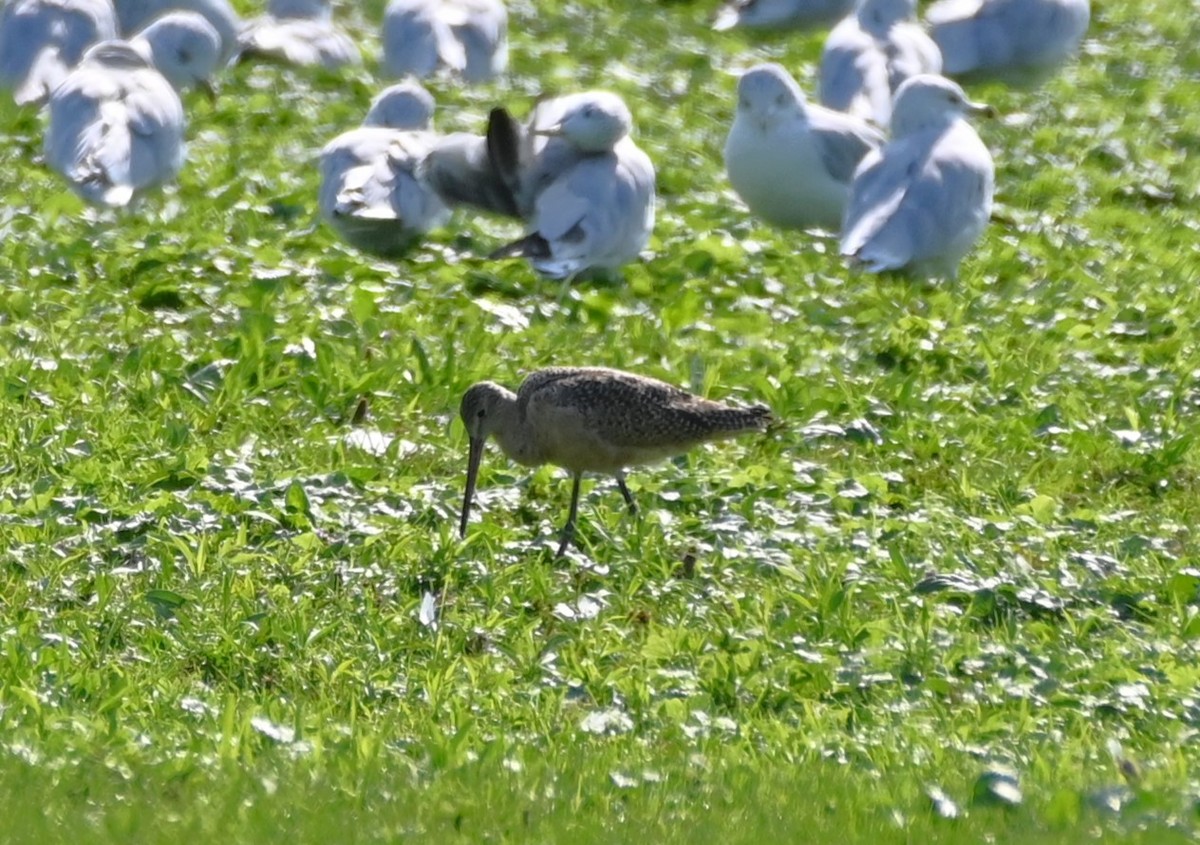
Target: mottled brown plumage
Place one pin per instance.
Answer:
(592, 419)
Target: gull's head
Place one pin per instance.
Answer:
(183, 46)
(767, 96)
(592, 122)
(405, 105)
(878, 16)
(928, 101)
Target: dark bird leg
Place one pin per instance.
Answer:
(625, 492)
(568, 532)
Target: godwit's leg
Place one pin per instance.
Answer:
(568, 532)
(625, 492)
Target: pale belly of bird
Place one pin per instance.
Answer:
(788, 191)
(581, 450)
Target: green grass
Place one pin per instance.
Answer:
(520, 795)
(972, 544)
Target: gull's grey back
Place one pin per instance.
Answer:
(308, 9)
(135, 14)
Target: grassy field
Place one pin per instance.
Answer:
(955, 598)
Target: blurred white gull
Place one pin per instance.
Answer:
(870, 53)
(298, 32)
(133, 15)
(920, 203)
(116, 123)
(573, 174)
(1022, 41)
(597, 213)
(791, 161)
(781, 14)
(41, 40)
(466, 37)
(182, 46)
(504, 171)
(369, 194)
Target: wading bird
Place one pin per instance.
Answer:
(592, 419)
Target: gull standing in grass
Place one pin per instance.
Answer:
(920, 203)
(369, 193)
(870, 53)
(790, 161)
(41, 40)
(592, 419)
(116, 123)
(298, 32)
(780, 14)
(571, 173)
(1021, 41)
(504, 171)
(591, 204)
(466, 37)
(136, 14)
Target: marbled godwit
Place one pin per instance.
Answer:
(592, 419)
